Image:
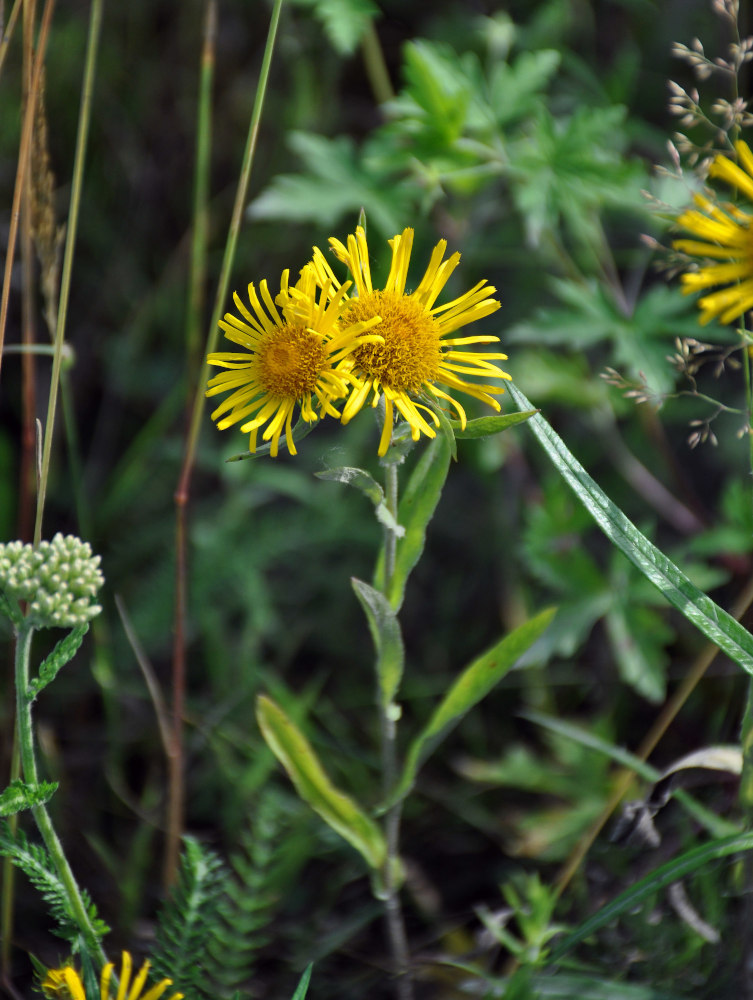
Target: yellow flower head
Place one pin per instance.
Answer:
(295, 356)
(66, 984)
(417, 351)
(723, 233)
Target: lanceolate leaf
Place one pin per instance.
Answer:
(415, 510)
(484, 426)
(715, 623)
(297, 756)
(303, 984)
(475, 682)
(679, 868)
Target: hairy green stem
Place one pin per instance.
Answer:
(24, 636)
(388, 730)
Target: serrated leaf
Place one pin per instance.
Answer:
(677, 869)
(338, 810)
(63, 653)
(19, 796)
(388, 640)
(415, 510)
(715, 623)
(473, 684)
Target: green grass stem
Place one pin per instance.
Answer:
(92, 45)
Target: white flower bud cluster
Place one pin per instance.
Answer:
(59, 580)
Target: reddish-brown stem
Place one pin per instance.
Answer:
(22, 167)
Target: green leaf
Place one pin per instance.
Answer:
(344, 21)
(9, 607)
(388, 640)
(358, 478)
(63, 652)
(303, 983)
(483, 427)
(687, 863)
(336, 184)
(474, 683)
(715, 623)
(297, 756)
(370, 488)
(415, 510)
(18, 796)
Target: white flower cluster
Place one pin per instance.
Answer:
(59, 580)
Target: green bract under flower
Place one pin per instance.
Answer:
(59, 580)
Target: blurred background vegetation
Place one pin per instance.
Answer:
(524, 133)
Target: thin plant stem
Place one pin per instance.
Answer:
(24, 636)
(26, 484)
(199, 236)
(24, 148)
(388, 730)
(182, 492)
(6, 37)
(376, 67)
(84, 117)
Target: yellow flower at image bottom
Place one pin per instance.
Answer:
(66, 984)
(417, 354)
(724, 239)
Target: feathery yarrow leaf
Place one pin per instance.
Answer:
(35, 863)
(188, 921)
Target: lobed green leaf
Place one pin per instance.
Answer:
(19, 796)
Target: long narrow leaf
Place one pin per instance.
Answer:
(474, 683)
(689, 862)
(297, 756)
(715, 623)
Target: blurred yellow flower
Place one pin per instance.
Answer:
(723, 233)
(417, 351)
(66, 984)
(297, 356)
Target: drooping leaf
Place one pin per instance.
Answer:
(473, 684)
(388, 640)
(338, 810)
(365, 482)
(715, 623)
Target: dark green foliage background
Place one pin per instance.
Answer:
(525, 148)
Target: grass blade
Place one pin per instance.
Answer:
(715, 623)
